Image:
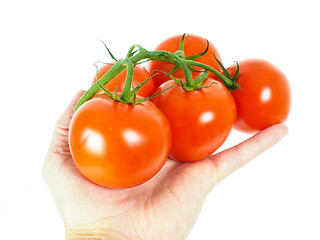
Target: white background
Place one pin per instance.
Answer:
(47, 51)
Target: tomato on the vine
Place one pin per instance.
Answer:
(140, 74)
(193, 44)
(264, 98)
(118, 145)
(200, 119)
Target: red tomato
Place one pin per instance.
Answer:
(117, 145)
(265, 96)
(193, 44)
(200, 120)
(140, 74)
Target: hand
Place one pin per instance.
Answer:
(165, 207)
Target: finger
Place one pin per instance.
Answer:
(59, 153)
(59, 143)
(233, 158)
(65, 118)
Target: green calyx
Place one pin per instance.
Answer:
(233, 85)
(227, 80)
(137, 55)
(129, 96)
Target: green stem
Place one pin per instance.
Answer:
(226, 80)
(126, 92)
(162, 55)
(133, 57)
(117, 68)
(142, 54)
(130, 52)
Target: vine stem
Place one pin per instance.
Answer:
(133, 57)
(126, 92)
(223, 78)
(177, 59)
(117, 68)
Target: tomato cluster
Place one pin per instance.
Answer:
(182, 105)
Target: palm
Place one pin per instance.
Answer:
(169, 201)
(161, 204)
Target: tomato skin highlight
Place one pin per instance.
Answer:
(117, 145)
(193, 44)
(140, 74)
(265, 96)
(200, 120)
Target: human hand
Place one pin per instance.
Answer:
(165, 207)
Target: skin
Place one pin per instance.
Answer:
(104, 149)
(200, 120)
(157, 209)
(265, 96)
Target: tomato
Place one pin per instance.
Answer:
(193, 44)
(140, 74)
(200, 120)
(265, 96)
(117, 145)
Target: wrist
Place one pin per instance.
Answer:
(96, 233)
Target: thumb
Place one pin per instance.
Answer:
(59, 148)
(65, 118)
(59, 142)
